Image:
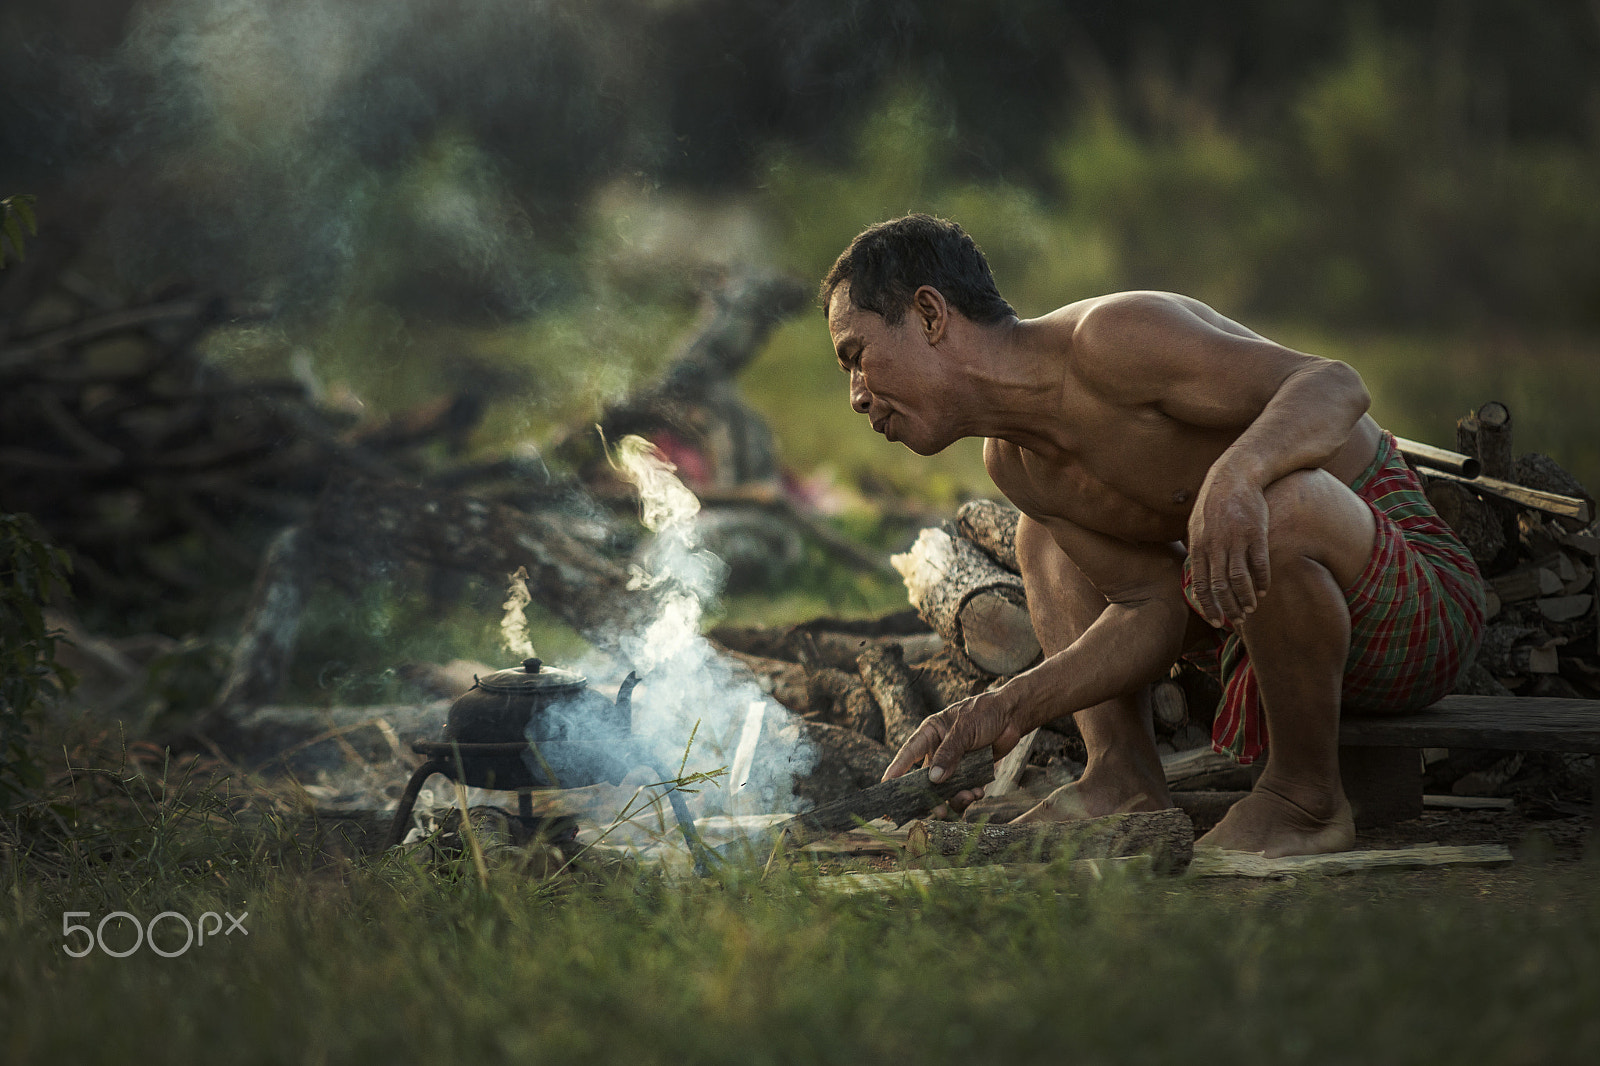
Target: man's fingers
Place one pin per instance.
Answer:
(1260, 568)
(1200, 584)
(1225, 605)
(916, 748)
(1241, 584)
(953, 747)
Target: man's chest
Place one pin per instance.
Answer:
(1134, 480)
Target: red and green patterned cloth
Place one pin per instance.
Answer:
(1416, 614)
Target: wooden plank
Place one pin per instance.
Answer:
(1001, 875)
(1509, 722)
(1468, 803)
(1548, 502)
(1214, 862)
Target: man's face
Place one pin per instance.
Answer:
(893, 370)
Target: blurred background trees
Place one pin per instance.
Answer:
(532, 194)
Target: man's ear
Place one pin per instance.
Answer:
(933, 314)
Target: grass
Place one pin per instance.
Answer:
(382, 960)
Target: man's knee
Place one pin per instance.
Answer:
(1061, 600)
(1313, 515)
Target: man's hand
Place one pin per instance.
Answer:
(1228, 546)
(988, 719)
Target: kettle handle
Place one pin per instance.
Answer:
(625, 692)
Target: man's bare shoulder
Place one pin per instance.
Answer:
(1100, 336)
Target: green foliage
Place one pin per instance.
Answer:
(31, 572)
(16, 215)
(384, 961)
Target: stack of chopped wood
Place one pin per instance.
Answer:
(1530, 527)
(164, 473)
(863, 687)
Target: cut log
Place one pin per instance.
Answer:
(992, 526)
(1205, 770)
(824, 647)
(970, 600)
(948, 678)
(1509, 649)
(884, 670)
(1486, 433)
(1167, 836)
(1528, 583)
(842, 650)
(1480, 527)
(1168, 705)
(845, 763)
(899, 800)
(1565, 608)
(842, 699)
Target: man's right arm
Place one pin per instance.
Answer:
(1133, 642)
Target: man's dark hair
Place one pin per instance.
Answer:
(887, 263)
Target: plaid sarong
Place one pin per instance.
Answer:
(1416, 615)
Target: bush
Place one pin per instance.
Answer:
(31, 571)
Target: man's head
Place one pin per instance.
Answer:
(909, 371)
(887, 263)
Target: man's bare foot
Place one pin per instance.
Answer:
(1271, 824)
(1102, 791)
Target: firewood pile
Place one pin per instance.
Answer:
(167, 475)
(1530, 527)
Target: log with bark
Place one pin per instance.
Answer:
(992, 526)
(1167, 836)
(843, 764)
(899, 800)
(1486, 435)
(887, 677)
(974, 603)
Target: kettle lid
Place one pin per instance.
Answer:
(533, 677)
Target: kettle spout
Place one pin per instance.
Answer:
(625, 693)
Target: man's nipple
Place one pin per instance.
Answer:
(1181, 496)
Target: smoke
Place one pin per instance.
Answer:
(687, 688)
(514, 626)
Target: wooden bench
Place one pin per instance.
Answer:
(1383, 776)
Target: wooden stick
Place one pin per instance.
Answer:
(1166, 835)
(1439, 458)
(1214, 862)
(899, 800)
(1522, 496)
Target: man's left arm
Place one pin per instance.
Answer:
(1294, 411)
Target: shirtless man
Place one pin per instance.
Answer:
(1185, 483)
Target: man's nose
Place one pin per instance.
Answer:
(860, 398)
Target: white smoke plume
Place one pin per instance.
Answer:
(514, 626)
(686, 688)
